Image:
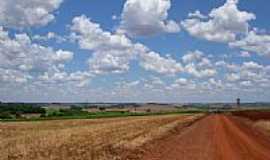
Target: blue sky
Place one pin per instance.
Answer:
(134, 51)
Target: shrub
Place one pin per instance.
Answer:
(5, 115)
(102, 108)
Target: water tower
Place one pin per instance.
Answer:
(238, 102)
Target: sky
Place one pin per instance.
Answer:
(134, 51)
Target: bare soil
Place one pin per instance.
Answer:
(216, 137)
(253, 115)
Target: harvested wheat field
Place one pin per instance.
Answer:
(84, 139)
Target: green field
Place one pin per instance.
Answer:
(110, 114)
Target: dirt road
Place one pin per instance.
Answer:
(216, 137)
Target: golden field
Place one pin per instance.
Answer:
(101, 139)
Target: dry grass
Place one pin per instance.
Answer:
(82, 139)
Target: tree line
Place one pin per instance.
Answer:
(15, 110)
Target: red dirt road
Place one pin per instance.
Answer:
(216, 137)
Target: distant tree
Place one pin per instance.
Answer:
(14, 108)
(5, 115)
(18, 115)
(73, 107)
(43, 115)
(102, 108)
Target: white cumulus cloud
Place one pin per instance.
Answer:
(145, 18)
(19, 55)
(198, 65)
(254, 42)
(113, 52)
(154, 62)
(223, 24)
(27, 13)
